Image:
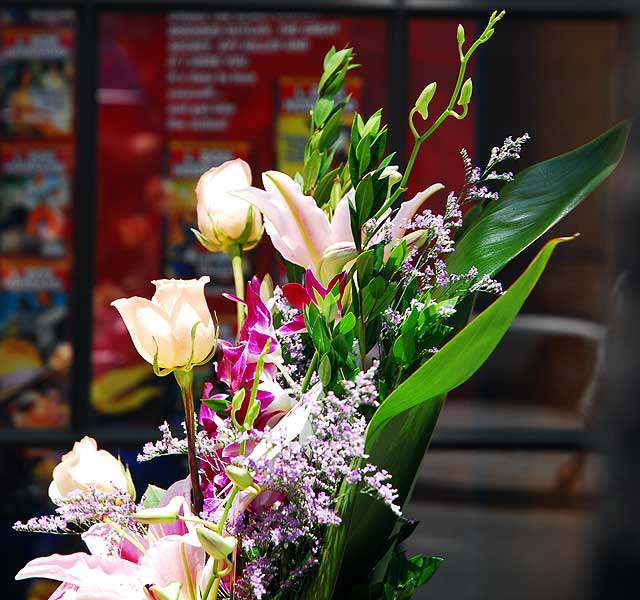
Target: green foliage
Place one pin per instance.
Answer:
(400, 430)
(152, 496)
(332, 338)
(453, 364)
(405, 575)
(326, 115)
(535, 201)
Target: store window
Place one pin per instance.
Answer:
(180, 92)
(37, 56)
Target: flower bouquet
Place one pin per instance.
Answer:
(303, 452)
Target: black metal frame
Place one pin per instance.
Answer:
(398, 13)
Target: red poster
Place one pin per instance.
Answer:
(181, 92)
(35, 185)
(433, 56)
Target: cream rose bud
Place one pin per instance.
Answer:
(164, 324)
(225, 219)
(86, 466)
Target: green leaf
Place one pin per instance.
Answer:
(152, 496)
(364, 198)
(464, 353)
(400, 430)
(311, 170)
(331, 130)
(347, 323)
(334, 63)
(328, 56)
(399, 449)
(321, 110)
(324, 370)
(322, 193)
(363, 154)
(426, 568)
(218, 405)
(535, 201)
(364, 264)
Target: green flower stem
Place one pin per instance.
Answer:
(447, 112)
(235, 254)
(416, 135)
(212, 586)
(214, 580)
(187, 573)
(185, 381)
(227, 508)
(310, 370)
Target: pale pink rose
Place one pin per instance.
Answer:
(164, 323)
(86, 466)
(224, 219)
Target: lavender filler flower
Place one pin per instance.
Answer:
(307, 473)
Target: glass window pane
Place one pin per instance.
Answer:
(180, 92)
(504, 522)
(557, 80)
(37, 61)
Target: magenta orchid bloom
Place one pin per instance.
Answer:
(302, 296)
(237, 366)
(303, 233)
(237, 369)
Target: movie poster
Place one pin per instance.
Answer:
(35, 356)
(36, 170)
(36, 75)
(35, 186)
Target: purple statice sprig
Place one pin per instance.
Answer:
(81, 509)
(474, 176)
(169, 444)
(308, 472)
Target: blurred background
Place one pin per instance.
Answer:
(109, 112)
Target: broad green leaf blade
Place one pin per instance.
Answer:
(459, 358)
(398, 449)
(535, 201)
(401, 429)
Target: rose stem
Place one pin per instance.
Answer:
(235, 254)
(185, 381)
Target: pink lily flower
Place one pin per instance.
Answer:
(298, 228)
(303, 233)
(406, 212)
(125, 574)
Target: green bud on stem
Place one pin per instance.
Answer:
(422, 103)
(465, 93)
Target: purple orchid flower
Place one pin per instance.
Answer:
(300, 297)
